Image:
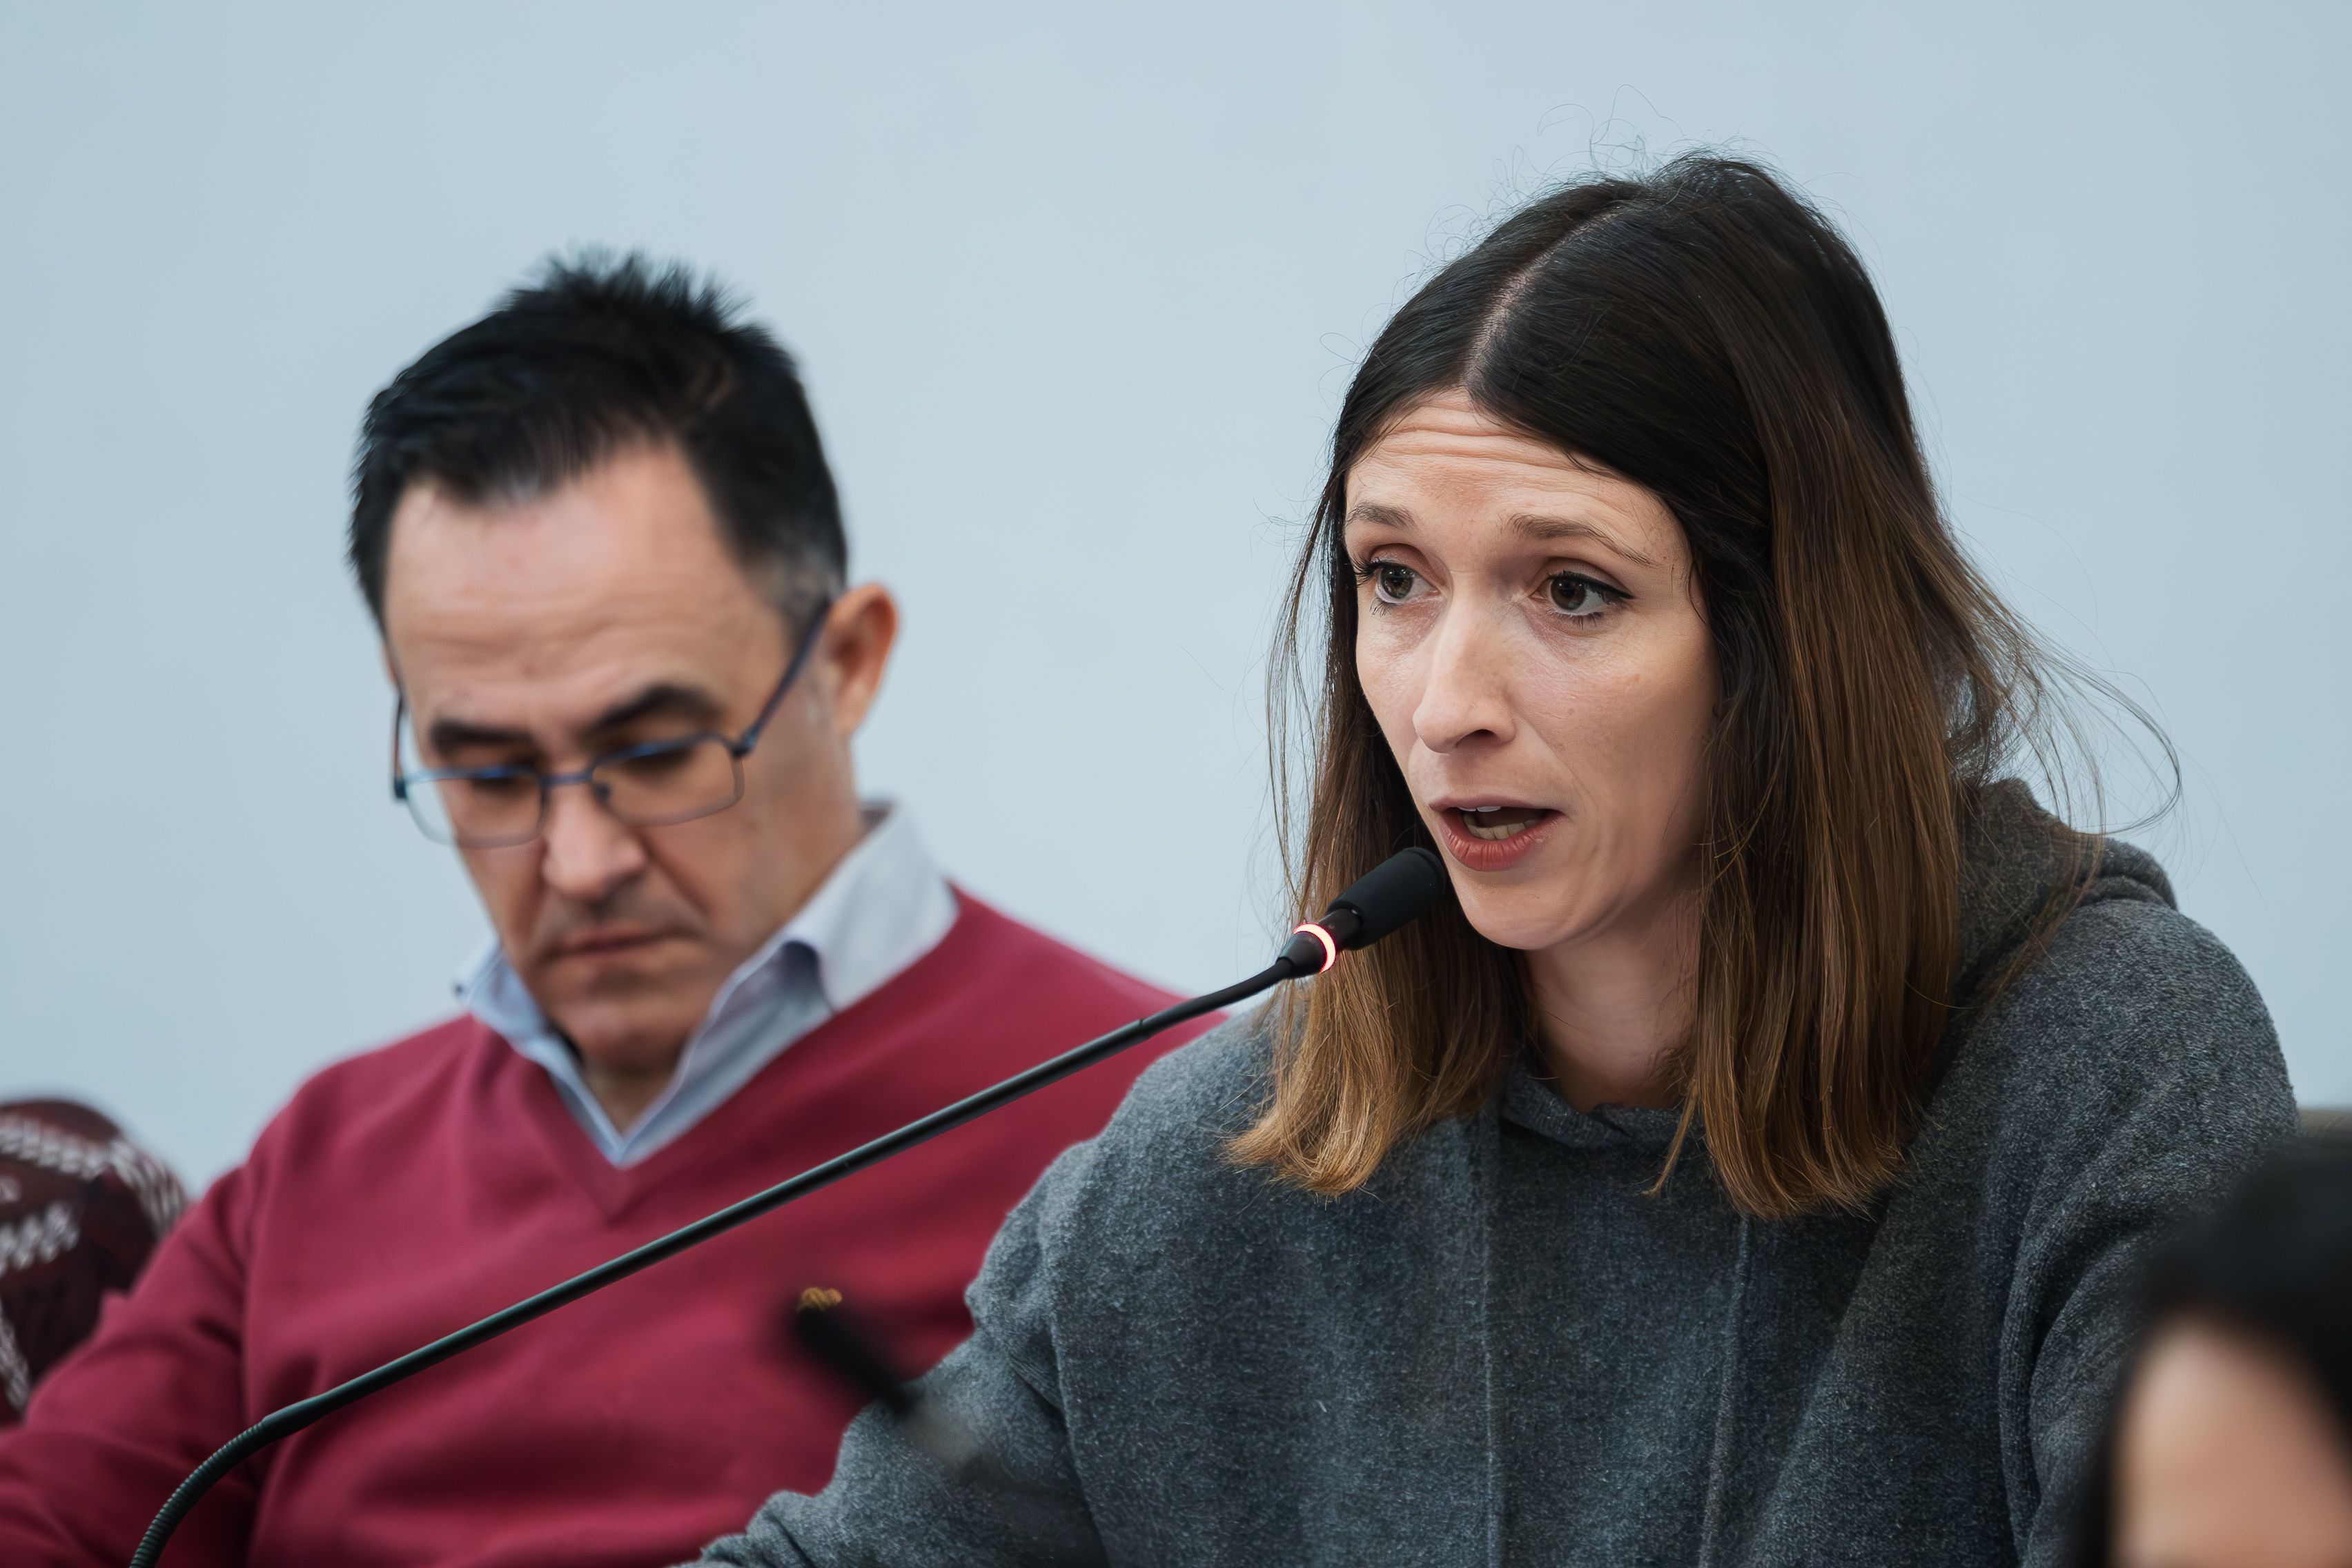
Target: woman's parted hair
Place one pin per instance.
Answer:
(1706, 333)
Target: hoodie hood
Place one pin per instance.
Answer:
(2020, 870)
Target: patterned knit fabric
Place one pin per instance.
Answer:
(82, 1207)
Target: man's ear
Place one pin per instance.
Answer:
(858, 636)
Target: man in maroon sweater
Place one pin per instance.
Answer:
(597, 531)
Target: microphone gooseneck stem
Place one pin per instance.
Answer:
(293, 1418)
(1396, 891)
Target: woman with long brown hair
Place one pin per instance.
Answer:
(1749, 1163)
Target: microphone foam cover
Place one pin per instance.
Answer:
(1395, 893)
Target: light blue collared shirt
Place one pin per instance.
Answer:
(884, 907)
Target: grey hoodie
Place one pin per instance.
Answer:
(1503, 1350)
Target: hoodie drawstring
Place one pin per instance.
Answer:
(1719, 1461)
(1486, 1158)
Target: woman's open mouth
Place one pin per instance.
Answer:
(1495, 823)
(1480, 837)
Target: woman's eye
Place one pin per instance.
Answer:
(1392, 583)
(1580, 598)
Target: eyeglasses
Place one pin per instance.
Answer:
(649, 786)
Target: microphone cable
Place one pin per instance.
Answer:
(1397, 891)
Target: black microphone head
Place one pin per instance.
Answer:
(1396, 892)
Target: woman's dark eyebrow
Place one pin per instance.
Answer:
(1536, 526)
(1372, 511)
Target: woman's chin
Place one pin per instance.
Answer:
(1521, 924)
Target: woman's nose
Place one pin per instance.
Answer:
(1464, 688)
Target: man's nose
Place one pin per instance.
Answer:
(1465, 683)
(590, 852)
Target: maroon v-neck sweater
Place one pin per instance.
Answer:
(408, 1191)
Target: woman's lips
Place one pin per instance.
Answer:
(1493, 839)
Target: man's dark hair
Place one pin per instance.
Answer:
(595, 355)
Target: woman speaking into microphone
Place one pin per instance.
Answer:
(1752, 1161)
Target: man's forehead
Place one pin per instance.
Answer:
(615, 580)
(636, 524)
(558, 688)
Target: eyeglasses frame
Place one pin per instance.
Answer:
(739, 746)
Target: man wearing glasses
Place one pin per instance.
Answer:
(597, 531)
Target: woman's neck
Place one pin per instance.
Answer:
(1612, 1009)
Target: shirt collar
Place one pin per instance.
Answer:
(882, 908)
(885, 906)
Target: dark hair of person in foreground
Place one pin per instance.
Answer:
(2232, 1440)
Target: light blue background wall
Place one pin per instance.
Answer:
(1077, 287)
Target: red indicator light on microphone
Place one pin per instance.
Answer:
(1330, 948)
